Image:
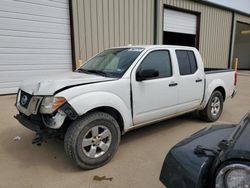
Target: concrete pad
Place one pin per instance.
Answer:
(137, 163)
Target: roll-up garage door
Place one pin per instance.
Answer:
(34, 40)
(179, 22)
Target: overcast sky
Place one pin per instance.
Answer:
(242, 5)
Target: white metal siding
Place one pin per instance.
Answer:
(179, 22)
(34, 40)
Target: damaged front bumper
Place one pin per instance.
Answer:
(42, 132)
(30, 106)
(32, 125)
(45, 125)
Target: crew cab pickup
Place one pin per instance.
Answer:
(118, 90)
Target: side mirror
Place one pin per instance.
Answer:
(146, 74)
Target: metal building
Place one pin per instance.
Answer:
(35, 40)
(37, 37)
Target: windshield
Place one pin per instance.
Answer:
(112, 62)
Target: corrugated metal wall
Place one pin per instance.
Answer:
(101, 24)
(215, 30)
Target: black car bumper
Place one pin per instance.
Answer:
(30, 123)
(42, 132)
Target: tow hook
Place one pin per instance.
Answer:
(40, 138)
(43, 135)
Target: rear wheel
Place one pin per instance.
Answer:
(92, 140)
(214, 107)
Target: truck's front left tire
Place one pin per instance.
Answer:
(92, 140)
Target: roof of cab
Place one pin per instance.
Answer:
(157, 46)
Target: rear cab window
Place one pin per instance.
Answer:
(186, 61)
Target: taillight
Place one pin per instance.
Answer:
(235, 78)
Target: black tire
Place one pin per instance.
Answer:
(206, 114)
(81, 129)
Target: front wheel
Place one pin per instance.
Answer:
(214, 107)
(92, 140)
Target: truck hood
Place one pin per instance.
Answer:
(238, 149)
(192, 169)
(51, 84)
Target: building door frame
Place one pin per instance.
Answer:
(197, 14)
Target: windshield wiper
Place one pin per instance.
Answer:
(200, 150)
(93, 72)
(224, 144)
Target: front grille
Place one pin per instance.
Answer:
(25, 99)
(28, 104)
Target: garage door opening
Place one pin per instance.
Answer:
(180, 28)
(179, 39)
(242, 45)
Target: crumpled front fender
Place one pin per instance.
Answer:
(89, 101)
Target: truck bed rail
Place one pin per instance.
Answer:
(216, 70)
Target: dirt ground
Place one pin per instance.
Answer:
(136, 164)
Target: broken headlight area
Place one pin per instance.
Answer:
(54, 121)
(57, 118)
(50, 104)
(48, 126)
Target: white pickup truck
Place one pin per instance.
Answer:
(118, 90)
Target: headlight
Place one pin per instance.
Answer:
(50, 104)
(234, 175)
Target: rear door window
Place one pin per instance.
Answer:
(186, 61)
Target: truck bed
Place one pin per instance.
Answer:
(226, 78)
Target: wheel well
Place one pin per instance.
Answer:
(113, 112)
(222, 90)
